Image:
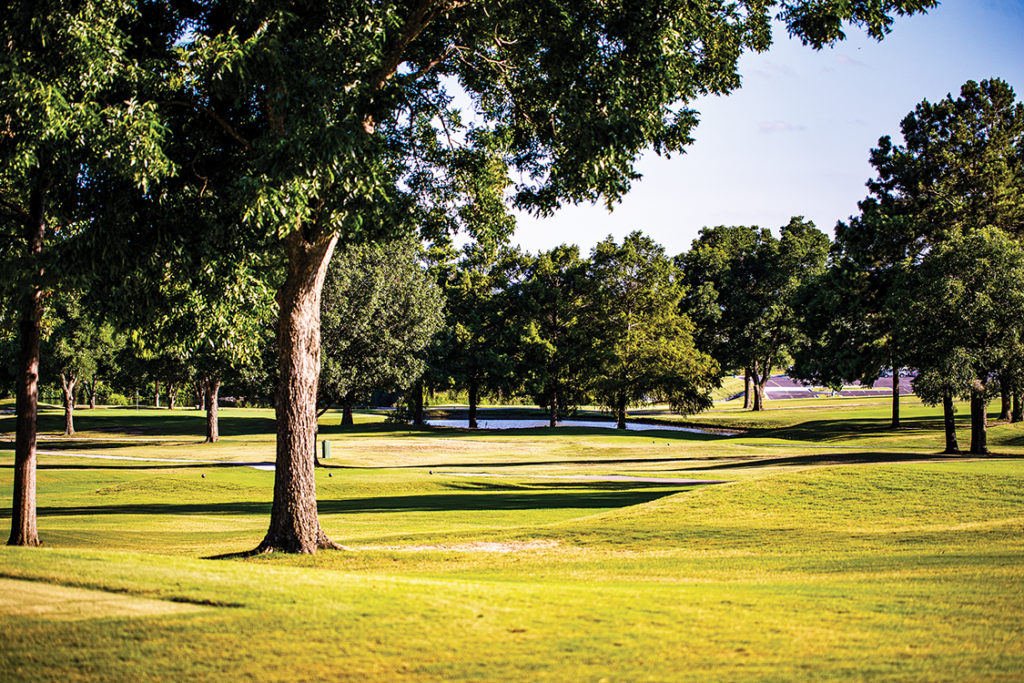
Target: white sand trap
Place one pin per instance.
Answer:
(475, 547)
(49, 601)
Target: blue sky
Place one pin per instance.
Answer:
(794, 140)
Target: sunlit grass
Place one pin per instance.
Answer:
(839, 549)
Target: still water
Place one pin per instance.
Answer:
(520, 423)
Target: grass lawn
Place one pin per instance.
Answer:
(838, 548)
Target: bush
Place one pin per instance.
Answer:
(116, 399)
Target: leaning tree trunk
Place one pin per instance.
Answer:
(346, 409)
(620, 410)
(474, 391)
(949, 423)
(212, 418)
(1017, 412)
(294, 521)
(979, 423)
(67, 384)
(24, 530)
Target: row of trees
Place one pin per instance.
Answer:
(928, 274)
(244, 140)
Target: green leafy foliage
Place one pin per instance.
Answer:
(645, 342)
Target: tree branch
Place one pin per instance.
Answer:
(228, 128)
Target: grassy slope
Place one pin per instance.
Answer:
(798, 568)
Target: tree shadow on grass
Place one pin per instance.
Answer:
(454, 502)
(837, 459)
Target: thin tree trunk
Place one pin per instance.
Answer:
(747, 390)
(1005, 400)
(171, 389)
(294, 521)
(212, 418)
(473, 398)
(620, 410)
(67, 383)
(895, 424)
(92, 394)
(346, 409)
(24, 530)
(949, 422)
(553, 418)
(979, 422)
(417, 404)
(156, 394)
(1017, 413)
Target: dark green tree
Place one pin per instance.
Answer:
(322, 122)
(967, 320)
(553, 306)
(74, 78)
(749, 284)
(646, 348)
(380, 310)
(477, 348)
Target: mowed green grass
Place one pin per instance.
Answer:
(838, 549)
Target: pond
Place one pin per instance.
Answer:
(522, 423)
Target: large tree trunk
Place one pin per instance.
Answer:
(620, 410)
(474, 390)
(212, 418)
(949, 423)
(1017, 412)
(294, 521)
(346, 409)
(67, 384)
(24, 530)
(417, 404)
(979, 421)
(553, 418)
(748, 386)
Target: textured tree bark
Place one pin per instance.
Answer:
(294, 521)
(346, 409)
(156, 394)
(979, 423)
(949, 423)
(1017, 413)
(1005, 401)
(417, 404)
(473, 398)
(171, 389)
(758, 381)
(620, 410)
(92, 394)
(747, 390)
(212, 417)
(24, 530)
(67, 384)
